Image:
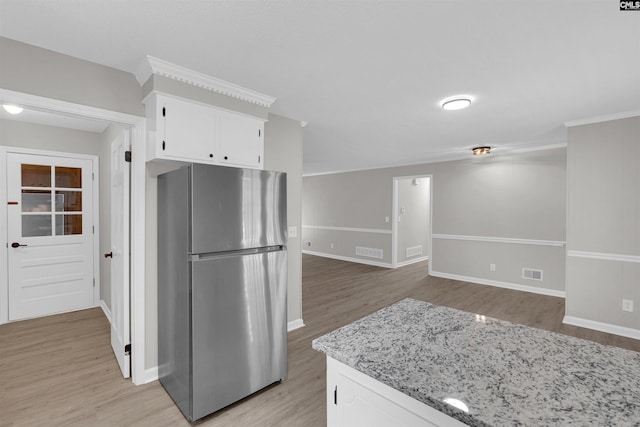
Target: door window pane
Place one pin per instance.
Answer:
(68, 177)
(68, 224)
(68, 201)
(36, 176)
(36, 225)
(36, 201)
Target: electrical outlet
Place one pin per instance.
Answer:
(293, 231)
(307, 243)
(332, 246)
(627, 305)
(492, 267)
(386, 219)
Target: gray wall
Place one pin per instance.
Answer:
(519, 196)
(283, 152)
(29, 69)
(603, 221)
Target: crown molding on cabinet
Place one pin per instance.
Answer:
(151, 65)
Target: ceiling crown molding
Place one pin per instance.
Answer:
(151, 65)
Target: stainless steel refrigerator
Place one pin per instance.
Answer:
(222, 284)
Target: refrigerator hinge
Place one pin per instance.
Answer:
(127, 349)
(127, 156)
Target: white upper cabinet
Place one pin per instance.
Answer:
(241, 140)
(191, 132)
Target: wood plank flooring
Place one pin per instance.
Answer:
(59, 370)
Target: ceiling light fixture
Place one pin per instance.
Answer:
(481, 151)
(457, 102)
(12, 109)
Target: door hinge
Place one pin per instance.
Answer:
(93, 176)
(164, 111)
(335, 396)
(259, 132)
(127, 349)
(127, 156)
(94, 282)
(93, 229)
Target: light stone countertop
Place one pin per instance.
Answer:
(507, 374)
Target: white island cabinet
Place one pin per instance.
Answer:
(357, 400)
(187, 131)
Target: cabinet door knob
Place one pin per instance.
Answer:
(226, 157)
(211, 155)
(16, 245)
(109, 255)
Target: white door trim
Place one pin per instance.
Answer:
(394, 218)
(95, 218)
(138, 176)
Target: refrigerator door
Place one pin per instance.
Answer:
(238, 327)
(235, 209)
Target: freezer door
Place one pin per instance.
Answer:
(235, 208)
(239, 327)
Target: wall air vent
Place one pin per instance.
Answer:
(414, 251)
(532, 274)
(369, 252)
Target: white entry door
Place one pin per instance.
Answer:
(50, 234)
(120, 330)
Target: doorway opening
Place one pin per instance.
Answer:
(411, 216)
(134, 283)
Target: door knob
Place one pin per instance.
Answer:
(16, 245)
(109, 255)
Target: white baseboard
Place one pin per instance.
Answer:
(412, 261)
(507, 285)
(348, 259)
(294, 324)
(602, 327)
(150, 375)
(107, 312)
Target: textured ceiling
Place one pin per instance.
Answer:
(368, 75)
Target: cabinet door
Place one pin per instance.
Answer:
(355, 399)
(189, 130)
(241, 140)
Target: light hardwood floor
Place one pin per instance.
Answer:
(59, 370)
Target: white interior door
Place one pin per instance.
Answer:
(120, 322)
(50, 234)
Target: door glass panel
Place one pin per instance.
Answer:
(68, 201)
(68, 224)
(36, 201)
(36, 225)
(68, 177)
(36, 176)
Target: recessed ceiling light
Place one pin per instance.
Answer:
(12, 109)
(481, 151)
(457, 102)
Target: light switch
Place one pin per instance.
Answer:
(293, 231)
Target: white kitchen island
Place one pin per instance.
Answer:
(418, 364)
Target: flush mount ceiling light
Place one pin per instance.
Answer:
(481, 151)
(12, 109)
(457, 102)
